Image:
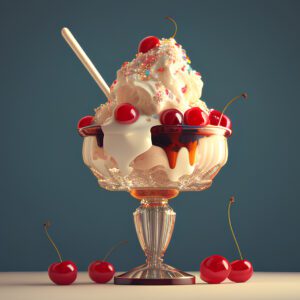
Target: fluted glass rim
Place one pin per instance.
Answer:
(207, 130)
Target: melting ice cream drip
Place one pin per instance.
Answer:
(125, 142)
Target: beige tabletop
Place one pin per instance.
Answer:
(36, 285)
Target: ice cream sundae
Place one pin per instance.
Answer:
(155, 122)
(154, 137)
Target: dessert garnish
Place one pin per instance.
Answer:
(195, 116)
(126, 113)
(171, 116)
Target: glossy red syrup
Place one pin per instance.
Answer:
(173, 138)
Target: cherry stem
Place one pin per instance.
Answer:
(46, 226)
(175, 24)
(231, 228)
(244, 95)
(113, 249)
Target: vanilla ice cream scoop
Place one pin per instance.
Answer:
(159, 79)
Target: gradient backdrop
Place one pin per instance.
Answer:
(238, 46)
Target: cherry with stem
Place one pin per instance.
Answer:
(241, 270)
(101, 271)
(62, 272)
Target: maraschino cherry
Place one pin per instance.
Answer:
(63, 272)
(218, 118)
(214, 119)
(101, 271)
(171, 116)
(126, 113)
(195, 116)
(241, 269)
(214, 269)
(85, 121)
(148, 43)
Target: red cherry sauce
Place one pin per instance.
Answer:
(173, 138)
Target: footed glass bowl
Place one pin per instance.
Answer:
(181, 158)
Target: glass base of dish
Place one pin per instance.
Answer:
(160, 275)
(154, 222)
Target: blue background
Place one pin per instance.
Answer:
(238, 46)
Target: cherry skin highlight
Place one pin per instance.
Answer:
(195, 116)
(63, 273)
(241, 270)
(214, 119)
(85, 121)
(171, 117)
(214, 269)
(101, 271)
(148, 43)
(126, 113)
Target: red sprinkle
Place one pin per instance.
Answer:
(113, 84)
(183, 68)
(160, 69)
(184, 89)
(167, 91)
(197, 73)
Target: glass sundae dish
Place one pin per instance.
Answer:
(154, 138)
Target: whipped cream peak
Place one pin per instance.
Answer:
(159, 79)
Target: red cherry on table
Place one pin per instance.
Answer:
(101, 271)
(171, 116)
(63, 273)
(241, 270)
(214, 119)
(214, 269)
(126, 113)
(148, 43)
(195, 116)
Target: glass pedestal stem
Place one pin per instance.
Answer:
(154, 222)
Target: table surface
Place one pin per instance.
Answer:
(36, 285)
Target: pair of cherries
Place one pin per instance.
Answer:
(65, 272)
(216, 268)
